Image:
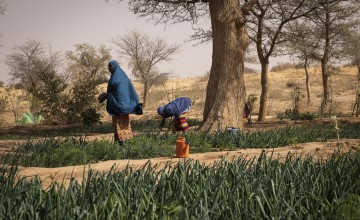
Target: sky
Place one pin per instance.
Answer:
(61, 24)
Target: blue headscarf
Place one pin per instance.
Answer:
(175, 108)
(122, 98)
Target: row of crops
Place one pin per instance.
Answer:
(54, 152)
(79, 129)
(238, 189)
(242, 188)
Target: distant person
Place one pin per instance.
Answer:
(247, 113)
(122, 100)
(177, 109)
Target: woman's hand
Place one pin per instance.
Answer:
(102, 97)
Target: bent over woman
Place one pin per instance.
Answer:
(177, 109)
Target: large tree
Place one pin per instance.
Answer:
(333, 24)
(225, 94)
(144, 54)
(266, 26)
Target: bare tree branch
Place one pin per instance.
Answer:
(3, 5)
(144, 54)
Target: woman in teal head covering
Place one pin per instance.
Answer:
(122, 100)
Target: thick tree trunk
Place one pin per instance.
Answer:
(145, 92)
(324, 62)
(307, 81)
(358, 76)
(325, 83)
(225, 95)
(264, 90)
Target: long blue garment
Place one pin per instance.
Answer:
(122, 98)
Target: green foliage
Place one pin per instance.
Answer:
(294, 113)
(149, 145)
(88, 63)
(90, 117)
(53, 152)
(88, 67)
(349, 208)
(81, 98)
(253, 188)
(50, 95)
(67, 155)
(289, 114)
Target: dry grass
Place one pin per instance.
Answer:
(281, 87)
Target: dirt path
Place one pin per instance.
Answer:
(316, 149)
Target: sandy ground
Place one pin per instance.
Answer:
(319, 150)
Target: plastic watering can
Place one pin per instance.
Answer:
(182, 147)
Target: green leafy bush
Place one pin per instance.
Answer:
(90, 117)
(349, 208)
(290, 114)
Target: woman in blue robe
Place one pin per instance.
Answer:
(122, 100)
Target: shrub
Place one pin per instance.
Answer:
(291, 84)
(290, 114)
(90, 117)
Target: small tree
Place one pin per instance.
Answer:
(296, 96)
(88, 69)
(144, 54)
(26, 64)
(50, 95)
(301, 44)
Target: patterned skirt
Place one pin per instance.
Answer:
(181, 124)
(122, 128)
